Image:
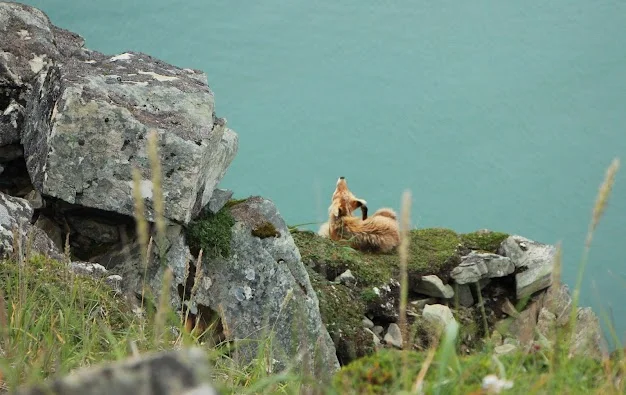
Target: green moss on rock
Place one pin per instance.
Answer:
(342, 314)
(211, 233)
(483, 240)
(431, 251)
(265, 230)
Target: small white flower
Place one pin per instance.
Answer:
(495, 385)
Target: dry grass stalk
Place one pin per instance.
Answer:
(157, 194)
(602, 199)
(403, 252)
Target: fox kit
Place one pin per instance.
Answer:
(377, 233)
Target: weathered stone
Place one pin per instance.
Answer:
(587, 339)
(476, 266)
(546, 323)
(375, 339)
(558, 301)
(432, 285)
(219, 199)
(438, 315)
(464, 293)
(89, 116)
(81, 144)
(52, 230)
(126, 260)
(394, 336)
(535, 258)
(523, 327)
(420, 303)
(508, 308)
(34, 199)
(167, 373)
(367, 323)
(26, 47)
(346, 278)
(470, 270)
(16, 214)
(378, 330)
(263, 283)
(504, 349)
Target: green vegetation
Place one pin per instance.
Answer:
(388, 370)
(211, 233)
(344, 324)
(52, 321)
(483, 241)
(431, 251)
(265, 230)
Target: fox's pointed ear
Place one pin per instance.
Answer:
(361, 203)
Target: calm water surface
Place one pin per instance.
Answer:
(497, 115)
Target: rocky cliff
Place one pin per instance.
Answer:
(74, 123)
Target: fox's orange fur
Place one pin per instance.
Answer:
(377, 233)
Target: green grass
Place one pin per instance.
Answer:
(52, 322)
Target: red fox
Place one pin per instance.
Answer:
(377, 233)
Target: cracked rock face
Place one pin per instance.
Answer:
(534, 259)
(83, 118)
(82, 142)
(265, 284)
(26, 47)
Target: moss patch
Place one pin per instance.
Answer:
(211, 233)
(342, 314)
(431, 251)
(265, 230)
(483, 241)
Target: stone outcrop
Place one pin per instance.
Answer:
(75, 122)
(263, 284)
(494, 274)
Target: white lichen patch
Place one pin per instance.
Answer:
(146, 188)
(124, 56)
(37, 63)
(24, 34)
(90, 61)
(158, 77)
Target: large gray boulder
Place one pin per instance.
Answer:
(533, 261)
(83, 118)
(264, 287)
(26, 47)
(83, 141)
(15, 218)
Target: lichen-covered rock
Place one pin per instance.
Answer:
(432, 285)
(476, 266)
(126, 260)
(536, 261)
(26, 47)
(438, 315)
(84, 118)
(168, 373)
(15, 215)
(263, 284)
(219, 199)
(83, 141)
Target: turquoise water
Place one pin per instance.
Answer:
(500, 115)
